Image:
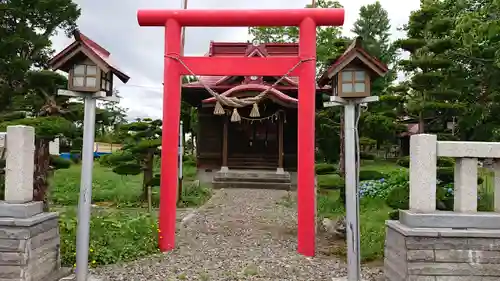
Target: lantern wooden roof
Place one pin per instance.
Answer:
(84, 45)
(352, 53)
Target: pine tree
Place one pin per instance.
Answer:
(142, 145)
(434, 96)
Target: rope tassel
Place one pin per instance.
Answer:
(235, 117)
(255, 111)
(219, 110)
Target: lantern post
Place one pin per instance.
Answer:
(90, 77)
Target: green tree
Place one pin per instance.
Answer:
(330, 44)
(26, 89)
(380, 122)
(436, 81)
(138, 153)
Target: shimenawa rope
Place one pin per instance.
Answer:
(233, 101)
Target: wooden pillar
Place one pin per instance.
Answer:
(169, 151)
(306, 193)
(280, 144)
(224, 144)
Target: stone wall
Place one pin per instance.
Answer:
(29, 248)
(435, 255)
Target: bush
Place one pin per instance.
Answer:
(398, 198)
(365, 175)
(367, 156)
(404, 162)
(374, 188)
(445, 162)
(399, 190)
(441, 162)
(58, 162)
(331, 182)
(325, 168)
(76, 156)
(194, 195)
(114, 237)
(394, 215)
(447, 175)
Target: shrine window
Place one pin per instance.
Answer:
(353, 82)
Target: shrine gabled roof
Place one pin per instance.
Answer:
(354, 50)
(245, 50)
(91, 48)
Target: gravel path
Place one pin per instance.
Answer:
(238, 235)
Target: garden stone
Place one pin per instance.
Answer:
(336, 228)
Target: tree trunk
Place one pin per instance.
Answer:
(421, 123)
(147, 177)
(41, 172)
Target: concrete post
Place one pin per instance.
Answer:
(423, 162)
(465, 185)
(20, 164)
(54, 147)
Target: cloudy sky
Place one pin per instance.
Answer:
(139, 50)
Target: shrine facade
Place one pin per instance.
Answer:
(262, 138)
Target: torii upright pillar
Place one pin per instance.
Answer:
(176, 65)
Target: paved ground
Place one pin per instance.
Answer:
(238, 235)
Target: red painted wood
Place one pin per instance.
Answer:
(307, 19)
(170, 140)
(241, 66)
(288, 17)
(306, 203)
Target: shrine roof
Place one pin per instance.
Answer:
(354, 50)
(245, 50)
(95, 50)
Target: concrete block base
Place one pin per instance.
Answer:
(441, 254)
(29, 248)
(442, 219)
(20, 210)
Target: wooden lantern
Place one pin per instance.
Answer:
(88, 66)
(350, 76)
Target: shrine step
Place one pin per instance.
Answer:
(252, 176)
(252, 185)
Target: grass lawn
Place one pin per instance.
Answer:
(115, 190)
(125, 230)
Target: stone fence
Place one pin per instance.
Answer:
(431, 245)
(29, 237)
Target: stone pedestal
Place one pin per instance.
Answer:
(441, 254)
(29, 243)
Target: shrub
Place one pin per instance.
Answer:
(398, 198)
(76, 156)
(441, 162)
(114, 237)
(332, 181)
(365, 175)
(367, 156)
(394, 215)
(445, 162)
(325, 168)
(374, 188)
(404, 162)
(58, 162)
(447, 175)
(194, 195)
(399, 190)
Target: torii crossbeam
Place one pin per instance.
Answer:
(176, 65)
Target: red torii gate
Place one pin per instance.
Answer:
(176, 65)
